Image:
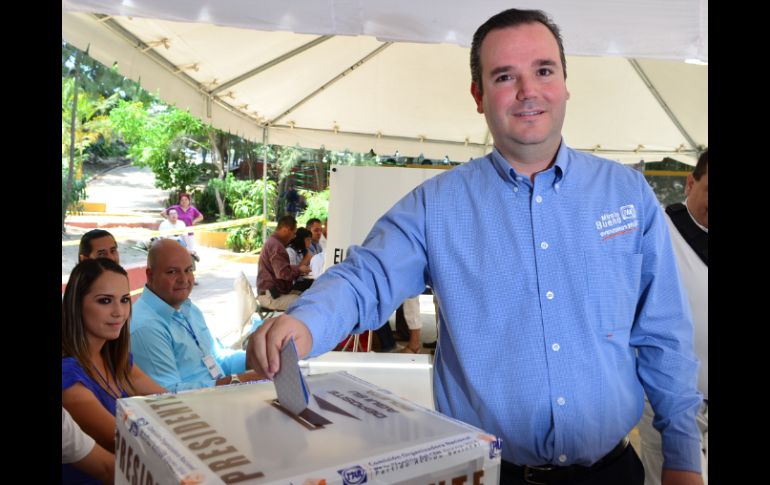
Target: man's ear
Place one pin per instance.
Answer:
(83, 257)
(688, 185)
(478, 97)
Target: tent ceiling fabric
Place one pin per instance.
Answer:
(361, 93)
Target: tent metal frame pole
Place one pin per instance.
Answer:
(336, 78)
(638, 68)
(271, 63)
(264, 185)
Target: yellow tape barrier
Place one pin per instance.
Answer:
(199, 227)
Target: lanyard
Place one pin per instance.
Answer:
(179, 317)
(109, 389)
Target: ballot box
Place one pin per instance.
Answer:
(351, 432)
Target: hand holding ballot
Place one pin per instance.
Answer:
(289, 383)
(264, 346)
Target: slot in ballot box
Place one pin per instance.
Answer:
(237, 434)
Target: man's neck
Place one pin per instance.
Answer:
(530, 161)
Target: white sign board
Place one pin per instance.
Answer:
(358, 196)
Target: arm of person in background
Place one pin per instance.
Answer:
(90, 415)
(144, 384)
(356, 295)
(663, 335)
(83, 453)
(198, 216)
(283, 268)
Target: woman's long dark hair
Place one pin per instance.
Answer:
(298, 243)
(73, 332)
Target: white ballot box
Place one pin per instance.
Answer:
(351, 433)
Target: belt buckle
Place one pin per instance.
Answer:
(527, 469)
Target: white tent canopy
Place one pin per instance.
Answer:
(391, 76)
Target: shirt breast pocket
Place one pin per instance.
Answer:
(613, 289)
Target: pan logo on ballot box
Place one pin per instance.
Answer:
(495, 448)
(354, 475)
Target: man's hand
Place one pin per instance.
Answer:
(681, 477)
(264, 346)
(304, 269)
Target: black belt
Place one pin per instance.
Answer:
(547, 474)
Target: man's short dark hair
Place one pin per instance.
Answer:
(702, 166)
(312, 221)
(85, 241)
(510, 18)
(287, 221)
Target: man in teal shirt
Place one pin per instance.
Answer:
(170, 340)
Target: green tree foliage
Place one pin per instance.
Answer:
(317, 206)
(163, 138)
(243, 198)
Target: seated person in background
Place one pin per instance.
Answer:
(173, 223)
(276, 274)
(83, 453)
(169, 336)
(410, 310)
(98, 243)
(299, 248)
(299, 254)
(97, 367)
(315, 228)
(324, 228)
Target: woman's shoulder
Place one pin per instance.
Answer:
(72, 372)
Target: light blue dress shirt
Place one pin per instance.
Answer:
(546, 290)
(171, 351)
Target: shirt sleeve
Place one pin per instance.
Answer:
(361, 292)
(230, 360)
(663, 336)
(279, 261)
(153, 348)
(75, 444)
(72, 373)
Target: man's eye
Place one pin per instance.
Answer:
(504, 77)
(544, 71)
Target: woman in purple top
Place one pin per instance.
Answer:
(187, 214)
(97, 367)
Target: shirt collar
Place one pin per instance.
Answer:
(560, 167)
(702, 227)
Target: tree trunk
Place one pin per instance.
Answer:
(73, 122)
(216, 157)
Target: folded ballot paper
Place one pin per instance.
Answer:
(331, 429)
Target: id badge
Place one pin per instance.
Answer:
(212, 366)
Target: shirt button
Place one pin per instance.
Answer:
(555, 347)
(515, 189)
(556, 185)
(543, 245)
(549, 295)
(538, 199)
(561, 401)
(562, 458)
(518, 178)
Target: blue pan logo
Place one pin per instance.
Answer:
(354, 475)
(495, 448)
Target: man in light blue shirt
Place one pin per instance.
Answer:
(562, 272)
(170, 340)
